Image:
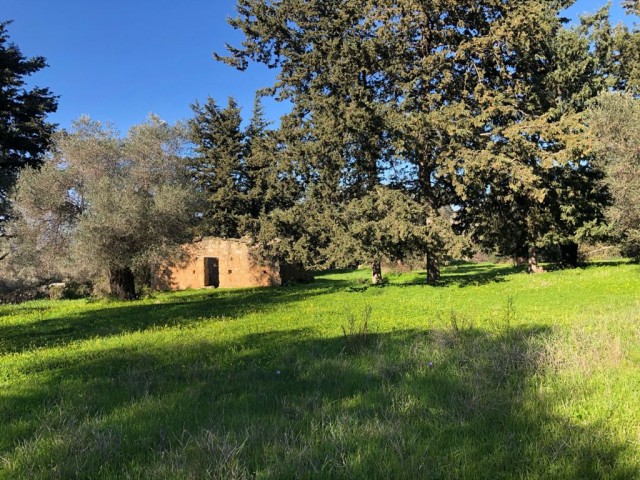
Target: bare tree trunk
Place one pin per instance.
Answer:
(376, 273)
(532, 236)
(122, 283)
(433, 268)
(534, 267)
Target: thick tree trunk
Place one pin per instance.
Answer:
(534, 267)
(376, 273)
(569, 254)
(433, 268)
(532, 236)
(122, 283)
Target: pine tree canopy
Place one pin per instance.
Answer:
(24, 131)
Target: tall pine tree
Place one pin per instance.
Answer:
(475, 104)
(218, 167)
(24, 131)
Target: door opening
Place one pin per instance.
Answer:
(211, 272)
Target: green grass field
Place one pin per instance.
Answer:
(493, 374)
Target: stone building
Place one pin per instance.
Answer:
(225, 263)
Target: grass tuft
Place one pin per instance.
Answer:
(356, 334)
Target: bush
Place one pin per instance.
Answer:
(18, 291)
(69, 290)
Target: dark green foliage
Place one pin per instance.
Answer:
(384, 225)
(218, 169)
(24, 131)
(332, 70)
(272, 182)
(541, 189)
(459, 103)
(244, 174)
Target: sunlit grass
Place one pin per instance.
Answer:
(492, 374)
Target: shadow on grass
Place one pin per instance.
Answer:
(189, 308)
(465, 275)
(185, 309)
(607, 263)
(482, 274)
(437, 404)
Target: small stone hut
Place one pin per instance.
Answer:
(225, 263)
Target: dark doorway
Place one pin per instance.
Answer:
(211, 272)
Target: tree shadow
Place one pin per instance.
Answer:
(464, 275)
(187, 308)
(558, 267)
(607, 263)
(481, 274)
(459, 403)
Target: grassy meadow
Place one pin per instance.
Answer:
(492, 374)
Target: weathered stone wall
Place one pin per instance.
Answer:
(237, 267)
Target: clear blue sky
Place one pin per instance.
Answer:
(120, 60)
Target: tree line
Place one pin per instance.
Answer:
(416, 129)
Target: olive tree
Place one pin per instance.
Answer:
(105, 206)
(615, 125)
